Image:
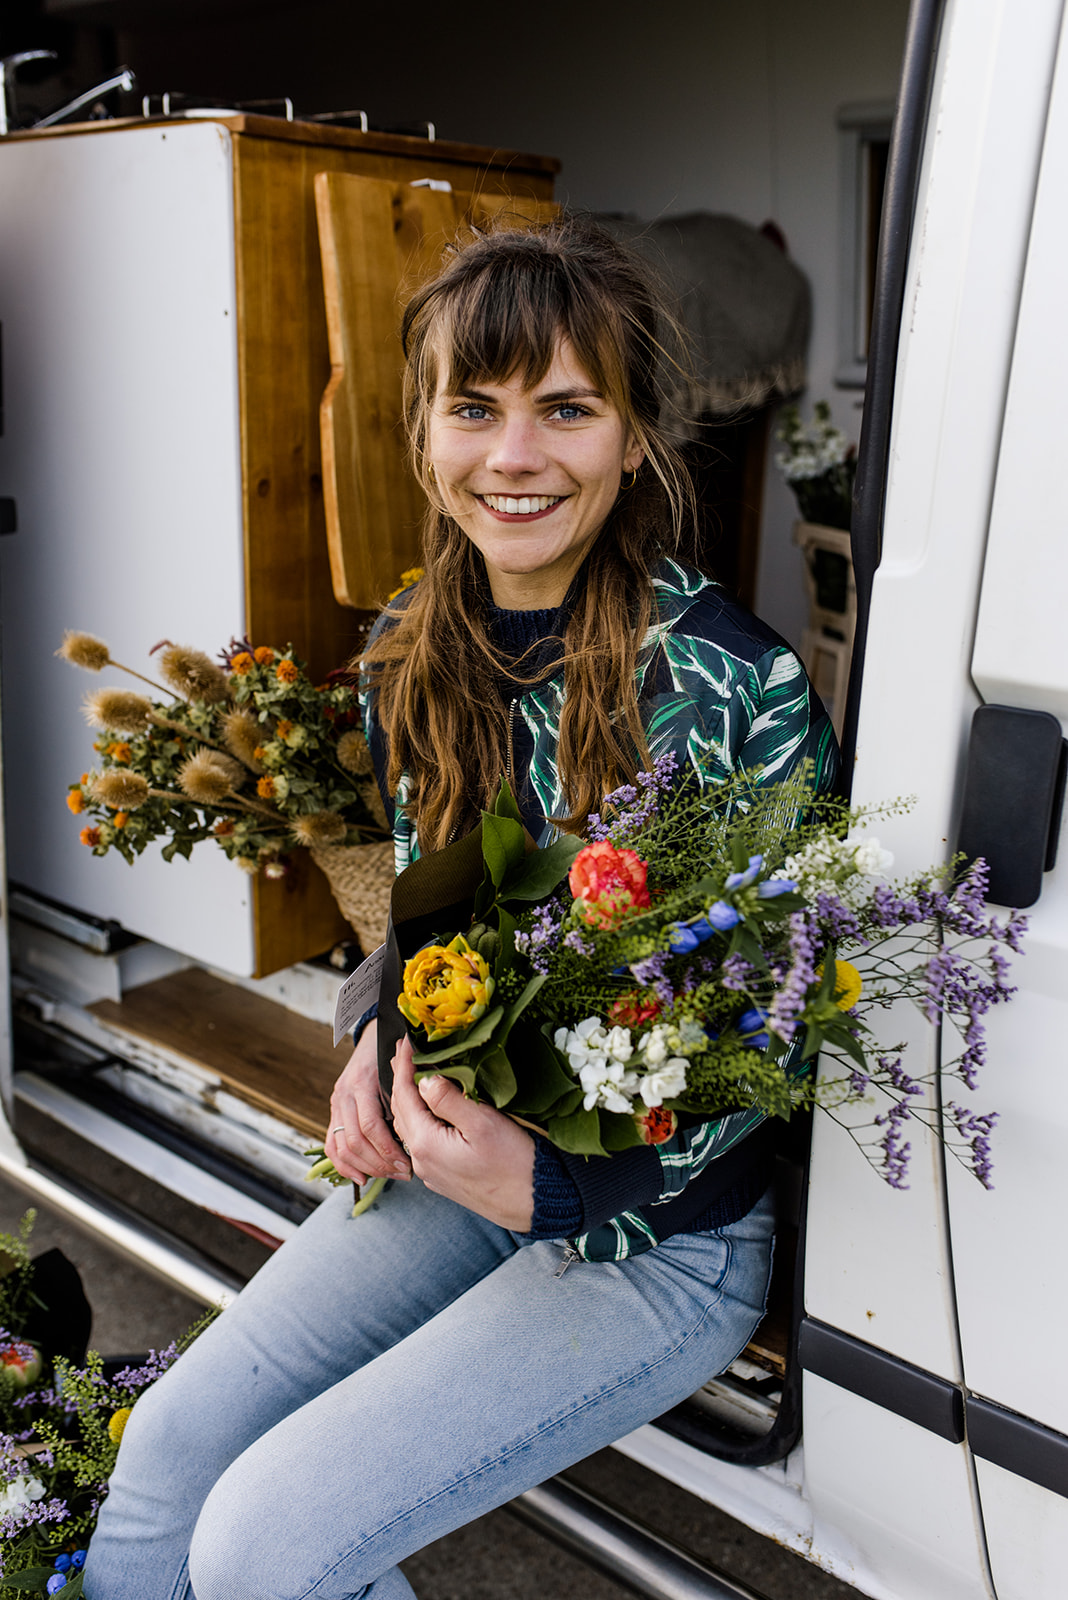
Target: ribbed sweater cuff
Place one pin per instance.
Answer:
(557, 1203)
(608, 1185)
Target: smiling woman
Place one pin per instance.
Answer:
(503, 1309)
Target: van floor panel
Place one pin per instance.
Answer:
(261, 1051)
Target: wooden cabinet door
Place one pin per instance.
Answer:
(379, 240)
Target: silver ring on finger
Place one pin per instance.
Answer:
(338, 1130)
(404, 1147)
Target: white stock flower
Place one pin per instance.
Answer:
(20, 1492)
(591, 1044)
(869, 855)
(665, 1084)
(837, 867)
(608, 1084)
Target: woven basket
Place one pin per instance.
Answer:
(361, 880)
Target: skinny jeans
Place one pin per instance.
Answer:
(385, 1379)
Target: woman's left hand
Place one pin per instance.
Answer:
(469, 1152)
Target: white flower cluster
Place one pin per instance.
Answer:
(812, 449)
(842, 867)
(20, 1492)
(614, 1072)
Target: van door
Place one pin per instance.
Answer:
(1009, 1248)
(887, 1467)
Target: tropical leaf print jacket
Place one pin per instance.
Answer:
(723, 692)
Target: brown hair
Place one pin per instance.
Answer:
(497, 309)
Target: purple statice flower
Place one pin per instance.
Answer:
(790, 997)
(1014, 930)
(634, 804)
(899, 1078)
(941, 970)
(975, 1129)
(896, 1152)
(155, 1365)
(836, 920)
(650, 974)
(575, 940)
(543, 936)
(858, 1081)
(736, 973)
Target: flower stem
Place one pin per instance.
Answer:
(369, 1196)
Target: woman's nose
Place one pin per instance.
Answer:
(515, 448)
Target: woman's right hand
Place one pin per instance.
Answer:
(364, 1148)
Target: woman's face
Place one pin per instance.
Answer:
(530, 475)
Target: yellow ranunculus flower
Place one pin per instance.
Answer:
(446, 988)
(117, 1423)
(847, 985)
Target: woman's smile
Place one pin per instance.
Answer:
(531, 474)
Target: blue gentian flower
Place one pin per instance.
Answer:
(77, 1560)
(742, 880)
(62, 1561)
(752, 1022)
(775, 886)
(723, 916)
(681, 938)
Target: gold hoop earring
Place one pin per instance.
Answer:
(430, 473)
(633, 480)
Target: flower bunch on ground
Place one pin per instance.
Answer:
(694, 957)
(60, 1428)
(247, 751)
(819, 464)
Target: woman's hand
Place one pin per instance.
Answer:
(468, 1152)
(364, 1148)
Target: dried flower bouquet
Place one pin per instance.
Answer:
(249, 753)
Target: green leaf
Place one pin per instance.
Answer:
(540, 872)
(546, 1083)
(618, 1131)
(496, 1078)
(503, 845)
(479, 1034)
(519, 1005)
(504, 805)
(464, 1075)
(28, 1578)
(579, 1134)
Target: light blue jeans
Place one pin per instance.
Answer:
(383, 1380)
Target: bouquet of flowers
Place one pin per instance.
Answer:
(690, 960)
(249, 753)
(60, 1427)
(819, 464)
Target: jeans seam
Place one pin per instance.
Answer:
(521, 1444)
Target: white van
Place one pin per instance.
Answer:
(908, 1432)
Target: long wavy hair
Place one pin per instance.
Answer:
(498, 309)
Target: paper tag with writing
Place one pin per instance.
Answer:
(359, 990)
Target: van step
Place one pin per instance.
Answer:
(624, 1550)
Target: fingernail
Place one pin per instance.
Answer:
(401, 1167)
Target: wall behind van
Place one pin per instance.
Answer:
(653, 109)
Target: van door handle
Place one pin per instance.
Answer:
(1013, 799)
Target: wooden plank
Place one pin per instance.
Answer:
(322, 135)
(284, 366)
(380, 239)
(268, 1056)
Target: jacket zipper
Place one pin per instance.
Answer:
(510, 774)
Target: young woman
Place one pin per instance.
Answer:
(503, 1310)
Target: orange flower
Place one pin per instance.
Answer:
(76, 801)
(119, 751)
(630, 1011)
(120, 819)
(223, 827)
(90, 836)
(656, 1126)
(287, 672)
(607, 883)
(284, 728)
(242, 664)
(265, 787)
(264, 655)
(259, 753)
(85, 777)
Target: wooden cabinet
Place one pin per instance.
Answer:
(166, 351)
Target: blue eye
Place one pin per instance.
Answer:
(571, 412)
(472, 412)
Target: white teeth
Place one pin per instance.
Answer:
(522, 507)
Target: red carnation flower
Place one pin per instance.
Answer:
(608, 883)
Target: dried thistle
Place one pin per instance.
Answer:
(241, 735)
(83, 650)
(372, 799)
(193, 674)
(122, 791)
(209, 777)
(354, 753)
(118, 709)
(249, 864)
(320, 827)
